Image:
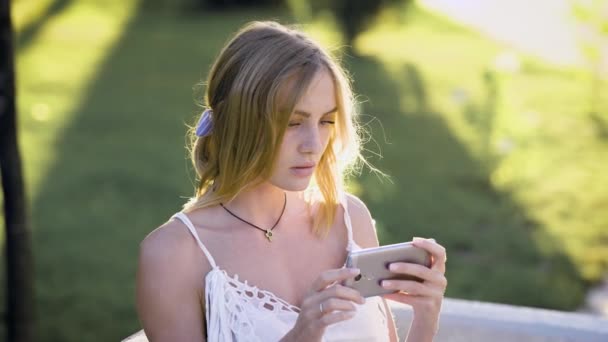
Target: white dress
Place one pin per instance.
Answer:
(238, 311)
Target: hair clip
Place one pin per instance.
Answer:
(204, 125)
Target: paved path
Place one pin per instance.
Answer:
(543, 28)
(597, 300)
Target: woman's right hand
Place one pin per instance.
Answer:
(326, 303)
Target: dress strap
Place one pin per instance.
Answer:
(182, 217)
(347, 221)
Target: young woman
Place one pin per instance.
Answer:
(258, 253)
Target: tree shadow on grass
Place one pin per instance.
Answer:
(497, 252)
(27, 35)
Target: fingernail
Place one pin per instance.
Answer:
(433, 240)
(362, 300)
(392, 267)
(387, 283)
(354, 271)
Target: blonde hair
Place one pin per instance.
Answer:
(249, 121)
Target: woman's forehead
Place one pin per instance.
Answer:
(320, 91)
(318, 98)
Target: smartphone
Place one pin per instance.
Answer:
(374, 262)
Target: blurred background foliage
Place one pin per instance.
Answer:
(497, 154)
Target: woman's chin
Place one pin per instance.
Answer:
(293, 185)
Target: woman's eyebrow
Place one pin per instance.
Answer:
(307, 114)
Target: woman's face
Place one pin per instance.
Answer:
(307, 135)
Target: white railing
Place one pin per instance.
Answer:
(470, 321)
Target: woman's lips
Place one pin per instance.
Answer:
(302, 171)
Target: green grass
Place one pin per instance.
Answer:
(105, 89)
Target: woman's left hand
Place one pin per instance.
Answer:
(425, 297)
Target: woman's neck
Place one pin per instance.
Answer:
(260, 205)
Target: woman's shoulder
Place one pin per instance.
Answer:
(171, 247)
(168, 284)
(364, 230)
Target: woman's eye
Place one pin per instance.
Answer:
(324, 122)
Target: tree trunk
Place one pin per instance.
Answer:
(19, 267)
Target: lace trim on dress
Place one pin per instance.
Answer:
(226, 302)
(265, 299)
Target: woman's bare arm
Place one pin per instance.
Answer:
(168, 298)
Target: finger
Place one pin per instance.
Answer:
(335, 275)
(342, 292)
(422, 272)
(334, 298)
(411, 287)
(437, 251)
(337, 316)
(336, 304)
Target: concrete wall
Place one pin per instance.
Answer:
(470, 321)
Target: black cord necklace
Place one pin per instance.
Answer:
(268, 231)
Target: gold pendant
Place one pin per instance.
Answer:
(269, 235)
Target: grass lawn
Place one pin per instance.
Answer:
(503, 167)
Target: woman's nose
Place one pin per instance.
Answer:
(312, 142)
